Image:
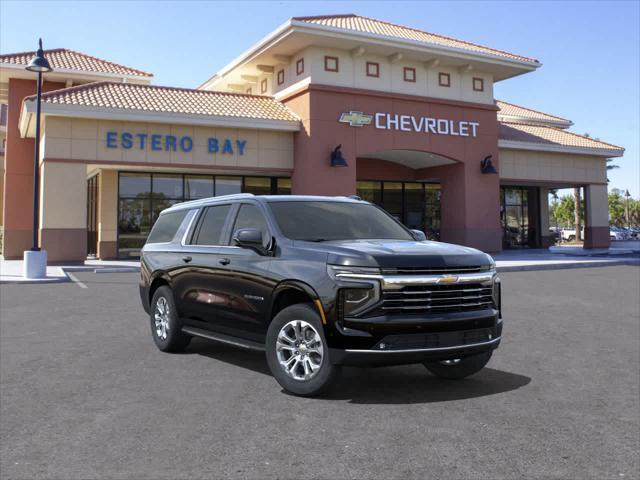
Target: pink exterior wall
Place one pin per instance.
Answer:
(18, 178)
(470, 200)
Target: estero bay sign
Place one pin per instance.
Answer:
(411, 123)
(171, 143)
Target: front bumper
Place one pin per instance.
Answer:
(389, 340)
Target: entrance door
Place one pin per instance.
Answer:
(92, 216)
(519, 216)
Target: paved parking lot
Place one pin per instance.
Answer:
(85, 394)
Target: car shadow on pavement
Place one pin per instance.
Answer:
(404, 384)
(414, 384)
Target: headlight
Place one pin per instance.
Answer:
(356, 300)
(492, 262)
(362, 296)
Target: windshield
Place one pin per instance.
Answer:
(322, 220)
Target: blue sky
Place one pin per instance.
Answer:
(589, 50)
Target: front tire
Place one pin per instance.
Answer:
(165, 322)
(297, 351)
(458, 368)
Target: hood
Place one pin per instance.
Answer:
(402, 254)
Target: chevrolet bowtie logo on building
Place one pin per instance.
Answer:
(356, 119)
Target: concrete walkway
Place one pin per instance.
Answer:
(507, 261)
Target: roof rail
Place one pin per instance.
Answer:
(205, 201)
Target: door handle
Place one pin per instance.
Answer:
(186, 259)
(224, 261)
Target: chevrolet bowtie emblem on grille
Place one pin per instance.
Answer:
(355, 119)
(447, 280)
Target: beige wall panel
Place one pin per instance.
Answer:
(58, 127)
(63, 195)
(249, 159)
(57, 147)
(109, 154)
(549, 166)
(108, 206)
(83, 149)
(268, 140)
(86, 129)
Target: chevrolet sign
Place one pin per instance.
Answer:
(355, 119)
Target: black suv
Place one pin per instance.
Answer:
(316, 283)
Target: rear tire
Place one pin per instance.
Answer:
(456, 369)
(166, 328)
(297, 351)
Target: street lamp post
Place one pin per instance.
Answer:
(35, 260)
(626, 208)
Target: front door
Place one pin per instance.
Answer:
(92, 216)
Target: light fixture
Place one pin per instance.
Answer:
(337, 160)
(486, 166)
(39, 62)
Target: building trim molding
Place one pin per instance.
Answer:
(544, 147)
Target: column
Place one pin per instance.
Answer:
(63, 211)
(546, 240)
(596, 216)
(107, 214)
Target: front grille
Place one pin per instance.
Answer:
(437, 298)
(433, 270)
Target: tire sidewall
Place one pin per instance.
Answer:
(175, 338)
(327, 371)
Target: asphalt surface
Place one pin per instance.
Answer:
(85, 394)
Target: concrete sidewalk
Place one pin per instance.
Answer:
(11, 270)
(507, 261)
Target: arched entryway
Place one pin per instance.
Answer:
(406, 184)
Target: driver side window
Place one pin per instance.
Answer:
(249, 216)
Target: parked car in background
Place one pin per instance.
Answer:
(618, 234)
(569, 234)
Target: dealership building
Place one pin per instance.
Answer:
(331, 105)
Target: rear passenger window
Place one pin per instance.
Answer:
(210, 228)
(250, 216)
(166, 227)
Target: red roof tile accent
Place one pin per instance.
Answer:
(513, 110)
(152, 98)
(371, 25)
(65, 59)
(518, 132)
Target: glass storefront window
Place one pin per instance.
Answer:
(228, 185)
(519, 219)
(370, 191)
(414, 205)
(257, 185)
(167, 186)
(134, 184)
(283, 186)
(142, 196)
(198, 186)
(392, 199)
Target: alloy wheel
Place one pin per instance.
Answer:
(161, 318)
(300, 350)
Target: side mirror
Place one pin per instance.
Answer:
(418, 235)
(248, 238)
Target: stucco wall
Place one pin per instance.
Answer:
(352, 73)
(85, 140)
(551, 167)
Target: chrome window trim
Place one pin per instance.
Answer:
(196, 212)
(432, 349)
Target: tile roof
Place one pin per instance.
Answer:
(370, 25)
(65, 59)
(544, 135)
(152, 98)
(513, 110)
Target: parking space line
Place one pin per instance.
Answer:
(75, 280)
